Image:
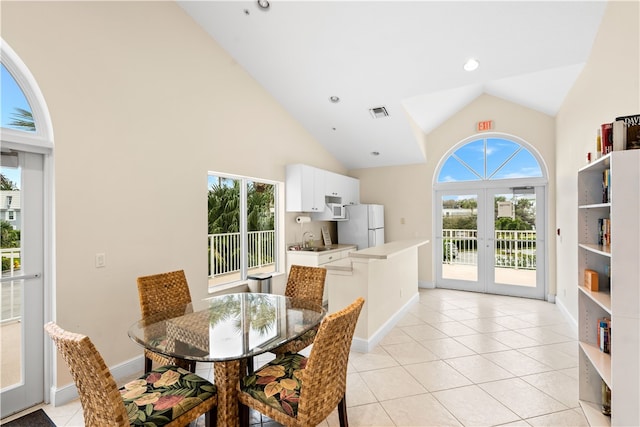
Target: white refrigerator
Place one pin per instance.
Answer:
(364, 226)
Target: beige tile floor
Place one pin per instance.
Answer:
(456, 359)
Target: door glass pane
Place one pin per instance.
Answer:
(515, 238)
(460, 237)
(224, 229)
(16, 112)
(12, 295)
(261, 237)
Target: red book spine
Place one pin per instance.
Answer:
(607, 138)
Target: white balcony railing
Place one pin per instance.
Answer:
(11, 298)
(224, 251)
(513, 248)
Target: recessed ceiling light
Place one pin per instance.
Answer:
(334, 99)
(263, 4)
(375, 153)
(471, 65)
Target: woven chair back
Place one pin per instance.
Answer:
(99, 395)
(324, 380)
(162, 292)
(306, 283)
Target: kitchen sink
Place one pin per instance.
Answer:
(315, 249)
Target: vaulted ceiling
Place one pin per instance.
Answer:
(405, 56)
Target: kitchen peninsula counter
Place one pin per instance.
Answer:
(386, 276)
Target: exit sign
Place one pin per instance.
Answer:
(485, 125)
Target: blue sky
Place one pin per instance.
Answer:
(504, 159)
(12, 97)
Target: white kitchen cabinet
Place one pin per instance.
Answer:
(345, 187)
(305, 188)
(352, 191)
(318, 259)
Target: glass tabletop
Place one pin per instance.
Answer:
(227, 327)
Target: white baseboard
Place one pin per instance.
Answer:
(122, 372)
(426, 285)
(362, 345)
(563, 309)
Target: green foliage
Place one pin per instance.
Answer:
(525, 215)
(512, 224)
(6, 184)
(10, 238)
(224, 206)
(460, 222)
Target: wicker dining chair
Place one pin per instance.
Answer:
(305, 283)
(161, 293)
(297, 391)
(168, 396)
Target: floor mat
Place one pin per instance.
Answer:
(33, 419)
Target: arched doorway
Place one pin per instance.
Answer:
(27, 244)
(490, 205)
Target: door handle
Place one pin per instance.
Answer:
(23, 277)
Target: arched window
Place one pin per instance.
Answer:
(490, 158)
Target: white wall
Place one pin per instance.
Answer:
(143, 104)
(609, 86)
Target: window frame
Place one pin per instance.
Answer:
(278, 227)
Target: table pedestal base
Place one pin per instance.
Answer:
(226, 378)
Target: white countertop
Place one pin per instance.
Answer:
(388, 249)
(332, 248)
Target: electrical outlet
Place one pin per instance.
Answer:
(101, 260)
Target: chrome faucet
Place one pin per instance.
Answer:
(306, 236)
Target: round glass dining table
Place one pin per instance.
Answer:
(226, 330)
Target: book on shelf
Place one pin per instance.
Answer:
(604, 335)
(604, 231)
(626, 132)
(606, 186)
(606, 143)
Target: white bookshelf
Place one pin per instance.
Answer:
(620, 369)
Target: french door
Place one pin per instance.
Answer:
(22, 344)
(492, 240)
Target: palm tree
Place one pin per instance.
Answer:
(23, 120)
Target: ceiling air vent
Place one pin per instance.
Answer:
(379, 112)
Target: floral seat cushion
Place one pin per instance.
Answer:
(164, 394)
(276, 383)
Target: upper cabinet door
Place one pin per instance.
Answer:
(345, 187)
(352, 191)
(333, 184)
(304, 188)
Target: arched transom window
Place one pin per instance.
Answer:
(490, 158)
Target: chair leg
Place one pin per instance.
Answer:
(249, 365)
(148, 363)
(243, 414)
(211, 417)
(342, 412)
